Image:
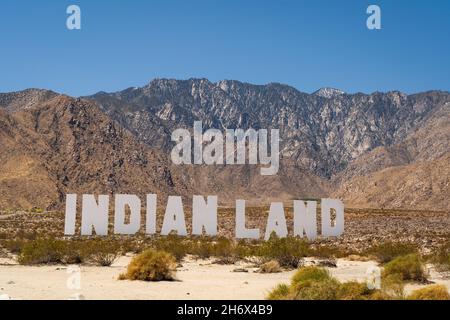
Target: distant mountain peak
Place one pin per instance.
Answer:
(328, 92)
(25, 99)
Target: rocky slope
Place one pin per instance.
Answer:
(328, 137)
(66, 145)
(372, 150)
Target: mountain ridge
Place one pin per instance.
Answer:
(347, 145)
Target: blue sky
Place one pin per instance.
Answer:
(306, 44)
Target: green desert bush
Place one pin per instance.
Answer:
(289, 251)
(388, 251)
(434, 292)
(42, 251)
(271, 266)
(151, 265)
(409, 267)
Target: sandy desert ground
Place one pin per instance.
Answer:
(196, 280)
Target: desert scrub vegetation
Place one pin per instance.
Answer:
(329, 252)
(271, 266)
(42, 251)
(389, 250)
(313, 283)
(55, 251)
(225, 251)
(101, 252)
(288, 252)
(151, 265)
(280, 292)
(392, 287)
(177, 246)
(13, 246)
(433, 292)
(441, 259)
(409, 268)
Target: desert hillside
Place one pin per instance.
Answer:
(380, 150)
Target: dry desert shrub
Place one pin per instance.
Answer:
(203, 248)
(310, 273)
(42, 251)
(173, 244)
(441, 259)
(389, 250)
(392, 287)
(327, 289)
(246, 249)
(313, 283)
(434, 292)
(270, 267)
(281, 292)
(328, 252)
(225, 251)
(357, 257)
(13, 246)
(101, 252)
(289, 251)
(354, 290)
(151, 265)
(409, 268)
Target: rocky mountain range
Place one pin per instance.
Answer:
(381, 150)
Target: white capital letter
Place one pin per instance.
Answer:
(305, 219)
(94, 215)
(204, 215)
(174, 217)
(71, 214)
(133, 202)
(328, 229)
(241, 231)
(150, 227)
(276, 222)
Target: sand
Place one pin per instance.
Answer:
(196, 280)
